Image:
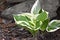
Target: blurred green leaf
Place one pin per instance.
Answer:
(42, 16)
(53, 26)
(44, 25)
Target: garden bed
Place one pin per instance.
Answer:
(10, 31)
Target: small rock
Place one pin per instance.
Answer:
(22, 7)
(50, 6)
(11, 1)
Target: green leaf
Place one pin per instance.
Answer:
(44, 25)
(36, 7)
(53, 26)
(42, 16)
(38, 25)
(20, 18)
(23, 20)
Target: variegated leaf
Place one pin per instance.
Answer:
(23, 19)
(36, 7)
(53, 26)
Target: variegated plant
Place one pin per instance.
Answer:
(36, 20)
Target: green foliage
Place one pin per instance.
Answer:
(32, 22)
(44, 25)
(36, 20)
(42, 16)
(53, 26)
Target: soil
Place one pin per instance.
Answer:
(10, 31)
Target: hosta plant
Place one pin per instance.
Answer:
(33, 21)
(36, 20)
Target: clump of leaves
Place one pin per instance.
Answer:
(36, 20)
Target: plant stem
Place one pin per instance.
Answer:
(35, 37)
